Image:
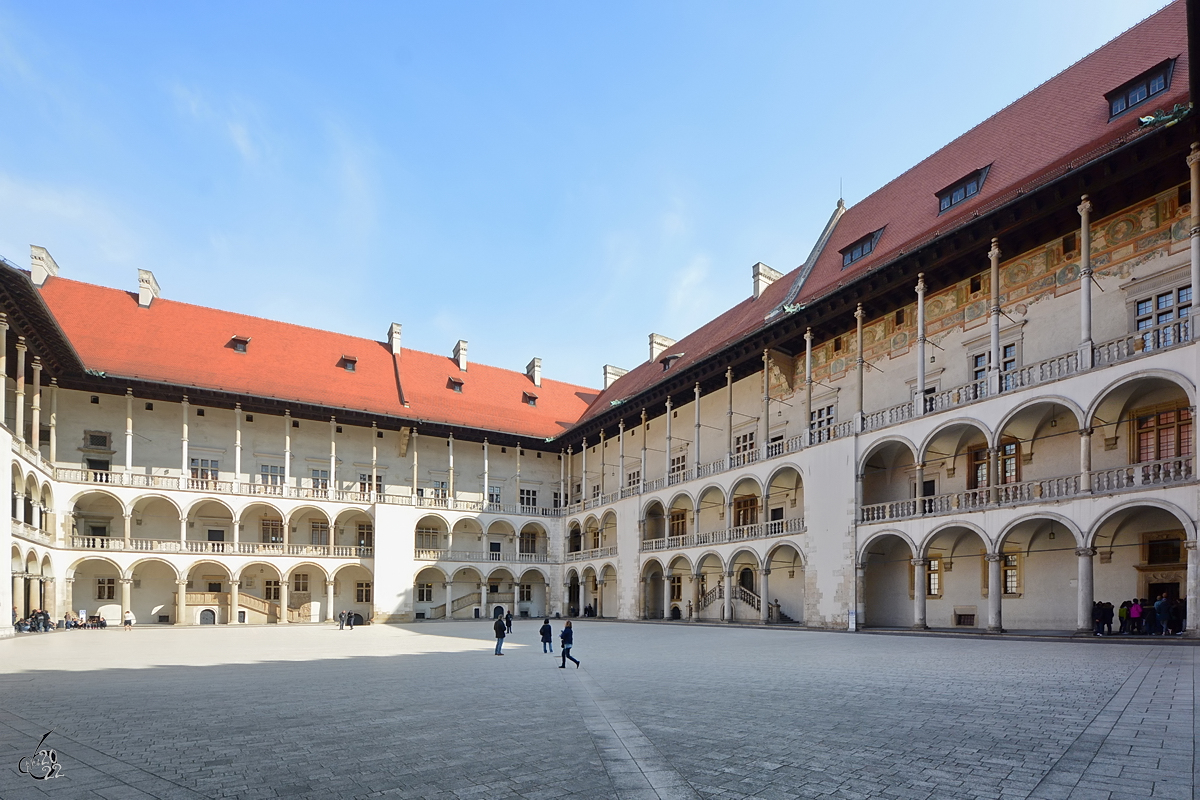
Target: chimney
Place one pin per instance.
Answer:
(533, 370)
(394, 338)
(147, 288)
(764, 276)
(460, 354)
(41, 264)
(611, 374)
(658, 343)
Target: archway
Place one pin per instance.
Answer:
(887, 582)
(652, 590)
(956, 576)
(1144, 434)
(208, 617)
(785, 584)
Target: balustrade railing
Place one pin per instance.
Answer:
(712, 595)
(746, 596)
(887, 416)
(467, 600)
(30, 533)
(587, 555)
(428, 554)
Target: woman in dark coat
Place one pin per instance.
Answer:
(547, 637)
(568, 638)
(499, 628)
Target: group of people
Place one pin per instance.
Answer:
(39, 621)
(1160, 616)
(345, 619)
(503, 627)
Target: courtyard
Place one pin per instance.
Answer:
(655, 711)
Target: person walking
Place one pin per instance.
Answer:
(547, 637)
(341, 620)
(349, 619)
(508, 621)
(128, 620)
(1123, 616)
(1162, 612)
(500, 631)
(567, 638)
(1135, 616)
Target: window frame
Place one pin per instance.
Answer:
(860, 248)
(1182, 425)
(1163, 70)
(945, 197)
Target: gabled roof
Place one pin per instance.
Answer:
(1064, 119)
(187, 345)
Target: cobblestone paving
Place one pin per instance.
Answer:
(655, 711)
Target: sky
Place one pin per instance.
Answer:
(542, 179)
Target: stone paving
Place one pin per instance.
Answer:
(656, 711)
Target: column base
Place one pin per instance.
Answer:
(995, 629)
(921, 627)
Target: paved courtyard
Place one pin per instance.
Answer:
(656, 711)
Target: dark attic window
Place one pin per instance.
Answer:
(529, 399)
(1150, 83)
(349, 363)
(962, 190)
(455, 385)
(239, 343)
(860, 249)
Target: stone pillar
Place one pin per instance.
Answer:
(485, 606)
(416, 465)
(696, 595)
(235, 601)
(283, 599)
(1192, 623)
(644, 598)
(621, 459)
(53, 411)
(375, 461)
(237, 447)
(859, 370)
(128, 436)
(766, 403)
(764, 596)
(329, 612)
(287, 453)
(919, 405)
(920, 475)
(68, 593)
(1193, 162)
(35, 409)
(185, 464)
(1086, 590)
(583, 476)
(667, 449)
(332, 463)
(570, 476)
(920, 587)
(599, 599)
(995, 479)
(995, 593)
(728, 596)
(128, 530)
(696, 436)
(19, 427)
(808, 386)
(1085, 460)
(450, 469)
(994, 319)
(860, 595)
(1085, 284)
(183, 532)
(487, 479)
(49, 599)
(729, 418)
(3, 367)
(18, 594)
(666, 596)
(181, 603)
(126, 587)
(645, 436)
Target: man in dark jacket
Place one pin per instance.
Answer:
(499, 628)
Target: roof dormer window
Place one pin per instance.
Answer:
(239, 343)
(962, 190)
(670, 359)
(1153, 81)
(455, 385)
(348, 363)
(860, 249)
(529, 399)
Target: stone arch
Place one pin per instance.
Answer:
(1069, 405)
(1070, 526)
(608, 529)
(199, 503)
(151, 560)
(532, 540)
(1181, 516)
(654, 520)
(866, 543)
(953, 430)
(922, 549)
(1153, 377)
(886, 590)
(887, 442)
(710, 509)
(574, 537)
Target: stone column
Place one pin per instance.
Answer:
(49, 599)
(696, 595)
(920, 475)
(860, 595)
(329, 612)
(3, 367)
(68, 592)
(283, 599)
(485, 607)
(35, 409)
(448, 586)
(183, 446)
(995, 593)
(235, 601)
(487, 479)
(128, 530)
(766, 403)
(570, 476)
(860, 364)
(667, 449)
(696, 436)
(237, 447)
(919, 406)
(1193, 162)
(621, 459)
(583, 476)
(994, 315)
(729, 418)
(666, 596)
(728, 596)
(416, 465)
(599, 599)
(1192, 622)
(332, 463)
(808, 386)
(183, 533)
(1085, 284)
(645, 436)
(126, 587)
(995, 479)
(1086, 590)
(644, 598)
(19, 427)
(920, 586)
(18, 594)
(181, 603)
(764, 597)
(287, 452)
(450, 469)
(1085, 460)
(375, 461)
(128, 436)
(53, 411)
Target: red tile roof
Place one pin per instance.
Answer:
(1064, 118)
(186, 345)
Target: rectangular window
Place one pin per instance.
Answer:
(860, 249)
(320, 532)
(494, 494)
(933, 578)
(1150, 83)
(320, 479)
(206, 469)
(526, 595)
(271, 590)
(979, 468)
(366, 534)
(429, 538)
(271, 475)
(364, 482)
(362, 592)
(424, 592)
(678, 464)
(633, 478)
(529, 498)
(821, 417)
(745, 511)
(676, 588)
(557, 500)
(979, 363)
(962, 191)
(300, 582)
(528, 541)
(272, 531)
(596, 491)
(1164, 551)
(106, 588)
(1011, 567)
(1162, 433)
(439, 490)
(1164, 320)
(743, 443)
(678, 522)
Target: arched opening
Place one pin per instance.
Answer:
(259, 592)
(1144, 435)
(956, 578)
(152, 599)
(533, 595)
(608, 530)
(888, 482)
(155, 524)
(1140, 554)
(746, 603)
(208, 617)
(607, 605)
(652, 590)
(310, 532)
(785, 502)
(208, 588)
(710, 510)
(465, 537)
(433, 536)
(681, 518)
(499, 543)
(785, 594)
(887, 583)
(502, 591)
(98, 522)
(429, 595)
(710, 588)
(573, 594)
(958, 460)
(574, 538)
(531, 545)
(677, 583)
(353, 590)
(209, 528)
(96, 590)
(747, 508)
(654, 523)
(1039, 453)
(261, 529)
(354, 534)
(465, 593)
(591, 533)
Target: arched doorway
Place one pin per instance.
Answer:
(208, 617)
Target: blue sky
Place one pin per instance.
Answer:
(542, 179)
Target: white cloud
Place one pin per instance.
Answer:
(236, 121)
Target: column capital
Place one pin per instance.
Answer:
(992, 557)
(125, 581)
(920, 562)
(68, 580)
(1086, 432)
(921, 283)
(1085, 552)
(235, 583)
(1085, 206)
(1194, 156)
(1190, 544)
(21, 347)
(995, 251)
(181, 583)
(328, 584)
(764, 571)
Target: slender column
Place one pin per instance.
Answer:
(728, 596)
(68, 590)
(237, 447)
(621, 458)
(53, 410)
(235, 601)
(729, 418)
(517, 476)
(667, 456)
(332, 460)
(237, 535)
(3, 367)
(129, 435)
(283, 599)
(644, 598)
(450, 465)
(920, 586)
(764, 598)
(995, 593)
(645, 436)
(128, 530)
(995, 479)
(413, 444)
(35, 409)
(1192, 622)
(808, 386)
(921, 488)
(126, 585)
(696, 438)
(860, 595)
(19, 428)
(1085, 459)
(181, 603)
(287, 451)
(994, 313)
(570, 475)
(766, 403)
(485, 609)
(563, 500)
(603, 463)
(859, 369)
(919, 400)
(183, 445)
(449, 587)
(1193, 162)
(183, 532)
(329, 601)
(487, 476)
(375, 460)
(1086, 590)
(599, 599)
(18, 594)
(1085, 284)
(583, 478)
(666, 596)
(696, 596)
